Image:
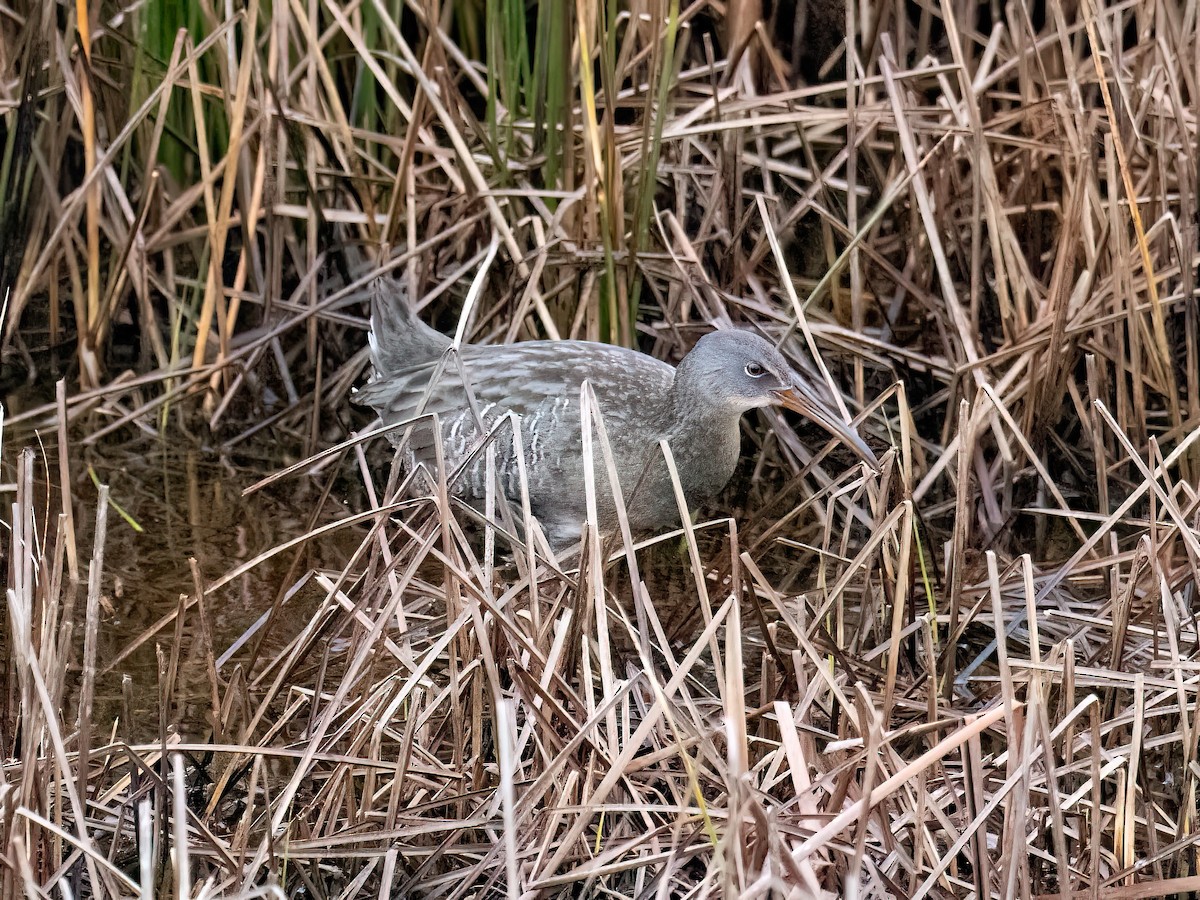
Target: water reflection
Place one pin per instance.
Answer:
(187, 501)
(188, 504)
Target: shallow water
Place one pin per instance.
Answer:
(187, 501)
(188, 504)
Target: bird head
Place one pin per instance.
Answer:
(741, 371)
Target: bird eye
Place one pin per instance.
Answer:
(754, 370)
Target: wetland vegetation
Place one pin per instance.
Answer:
(240, 656)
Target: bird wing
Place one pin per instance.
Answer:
(517, 377)
(538, 380)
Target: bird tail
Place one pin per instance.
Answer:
(399, 339)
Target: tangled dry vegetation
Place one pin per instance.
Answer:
(973, 673)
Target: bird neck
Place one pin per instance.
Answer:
(705, 440)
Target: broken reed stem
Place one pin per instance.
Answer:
(822, 744)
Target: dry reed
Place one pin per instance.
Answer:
(973, 673)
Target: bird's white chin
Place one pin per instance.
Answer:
(743, 405)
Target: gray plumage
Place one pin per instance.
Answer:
(695, 407)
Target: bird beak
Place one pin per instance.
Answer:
(804, 400)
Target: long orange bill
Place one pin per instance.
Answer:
(804, 400)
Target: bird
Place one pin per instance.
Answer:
(696, 407)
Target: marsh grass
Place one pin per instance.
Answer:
(972, 673)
